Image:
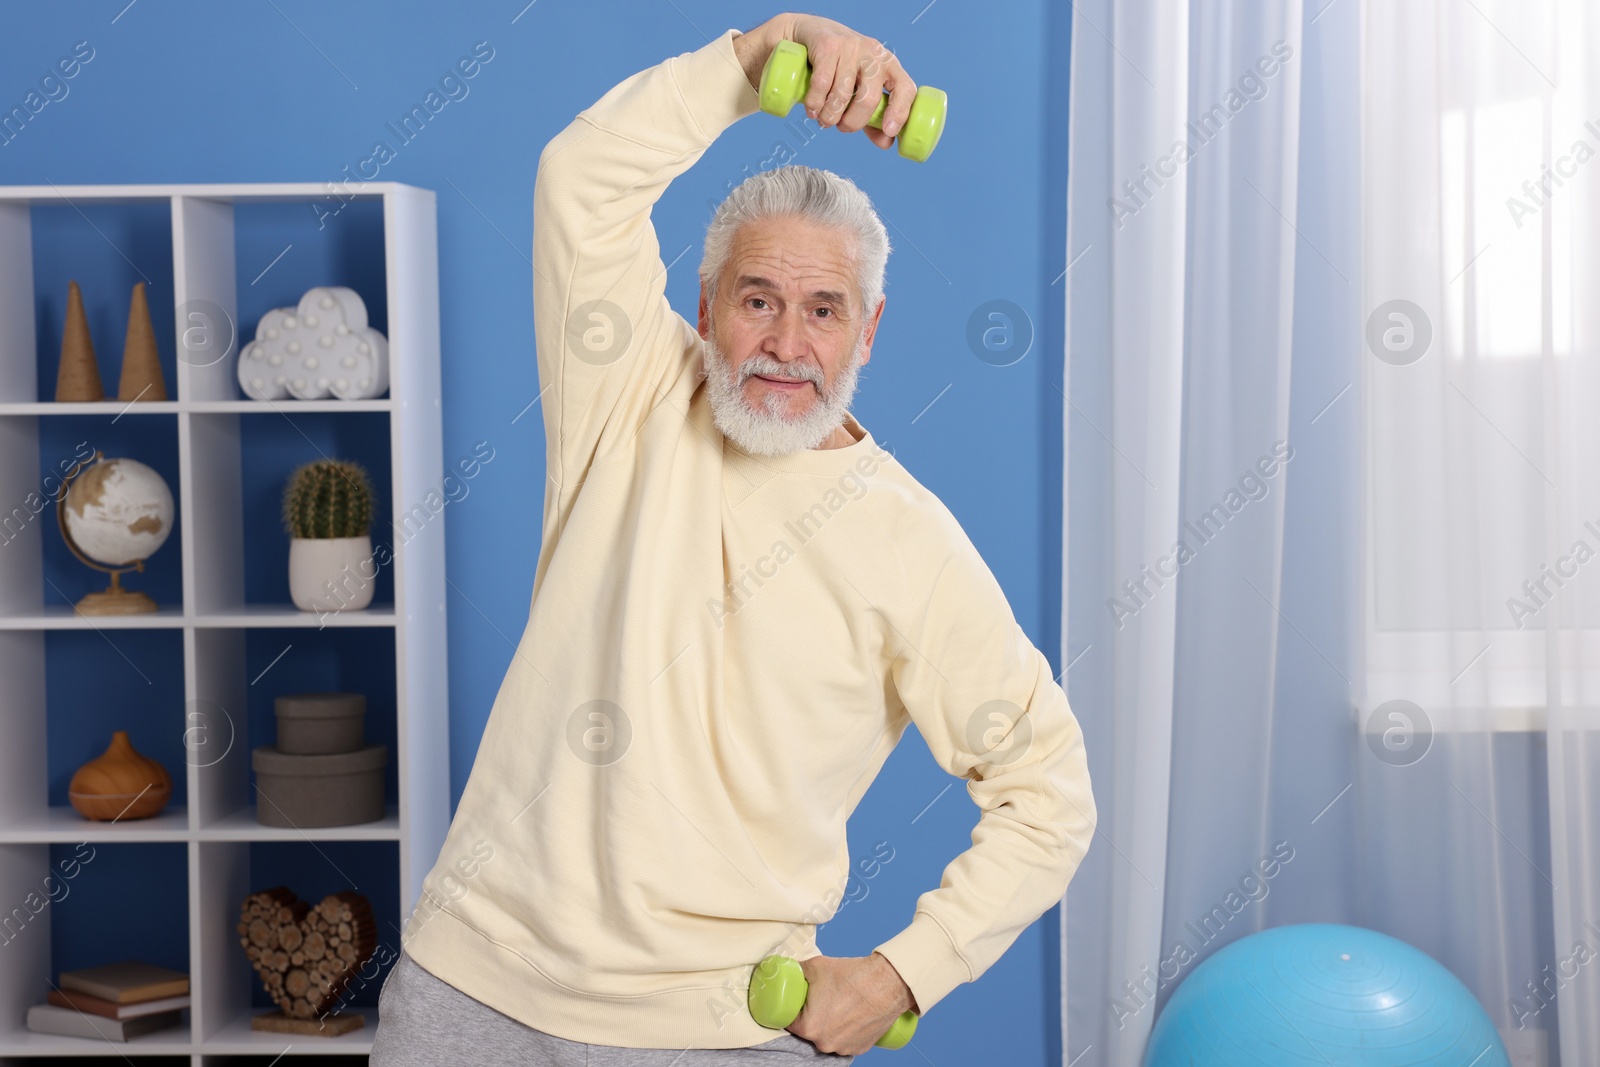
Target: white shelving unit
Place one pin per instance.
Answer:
(218, 823)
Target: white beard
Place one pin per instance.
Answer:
(766, 431)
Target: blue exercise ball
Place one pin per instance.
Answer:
(1321, 994)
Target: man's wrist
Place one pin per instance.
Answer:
(904, 1000)
(754, 46)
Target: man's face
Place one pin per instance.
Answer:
(786, 336)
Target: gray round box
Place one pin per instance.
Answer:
(321, 723)
(336, 789)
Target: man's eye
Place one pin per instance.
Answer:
(828, 310)
(757, 300)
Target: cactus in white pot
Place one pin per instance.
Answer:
(327, 507)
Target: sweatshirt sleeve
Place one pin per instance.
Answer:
(991, 712)
(607, 341)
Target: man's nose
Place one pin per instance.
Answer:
(789, 341)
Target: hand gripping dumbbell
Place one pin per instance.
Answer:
(778, 992)
(786, 79)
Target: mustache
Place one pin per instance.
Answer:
(773, 369)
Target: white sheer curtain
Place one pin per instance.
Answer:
(1381, 654)
(1480, 185)
(1212, 586)
(1125, 295)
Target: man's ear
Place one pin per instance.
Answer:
(872, 330)
(705, 313)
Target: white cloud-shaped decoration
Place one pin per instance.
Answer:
(321, 347)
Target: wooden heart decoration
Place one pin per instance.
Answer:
(306, 955)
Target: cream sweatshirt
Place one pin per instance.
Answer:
(721, 653)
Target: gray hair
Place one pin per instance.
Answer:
(819, 196)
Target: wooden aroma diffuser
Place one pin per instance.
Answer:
(120, 784)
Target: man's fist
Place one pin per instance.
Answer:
(850, 1002)
(849, 73)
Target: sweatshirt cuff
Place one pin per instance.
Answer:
(927, 960)
(714, 86)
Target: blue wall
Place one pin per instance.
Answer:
(288, 90)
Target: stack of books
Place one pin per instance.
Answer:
(116, 1002)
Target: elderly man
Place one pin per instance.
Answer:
(740, 603)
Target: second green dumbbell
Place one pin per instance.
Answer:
(778, 991)
(786, 79)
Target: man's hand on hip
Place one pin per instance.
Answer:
(850, 1003)
(849, 73)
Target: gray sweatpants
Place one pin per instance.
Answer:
(424, 1021)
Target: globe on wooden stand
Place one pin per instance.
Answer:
(114, 514)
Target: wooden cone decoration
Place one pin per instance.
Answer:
(78, 377)
(141, 363)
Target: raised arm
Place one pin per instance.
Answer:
(608, 343)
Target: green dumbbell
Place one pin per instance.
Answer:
(786, 79)
(778, 992)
